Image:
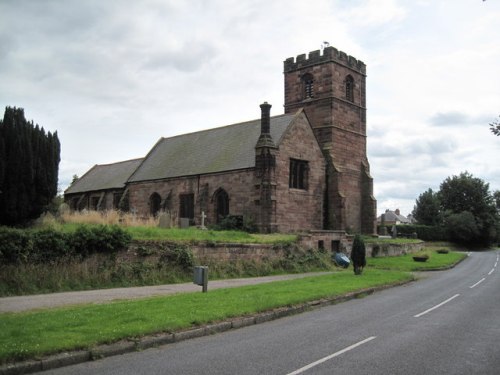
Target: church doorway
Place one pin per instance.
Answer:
(154, 204)
(221, 204)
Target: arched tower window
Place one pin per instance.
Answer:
(154, 204)
(221, 204)
(349, 88)
(308, 84)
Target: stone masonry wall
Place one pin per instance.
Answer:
(299, 209)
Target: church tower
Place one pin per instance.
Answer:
(331, 87)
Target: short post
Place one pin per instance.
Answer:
(200, 277)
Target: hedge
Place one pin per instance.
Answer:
(424, 232)
(36, 246)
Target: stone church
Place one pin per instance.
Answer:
(306, 169)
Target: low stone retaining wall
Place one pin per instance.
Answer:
(330, 241)
(386, 249)
(232, 252)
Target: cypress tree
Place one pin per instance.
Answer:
(29, 165)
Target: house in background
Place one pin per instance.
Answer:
(393, 218)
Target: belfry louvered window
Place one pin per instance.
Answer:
(349, 88)
(308, 83)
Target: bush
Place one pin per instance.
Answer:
(358, 254)
(100, 239)
(49, 245)
(237, 222)
(179, 255)
(16, 245)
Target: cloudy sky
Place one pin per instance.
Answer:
(112, 77)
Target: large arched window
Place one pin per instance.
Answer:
(349, 88)
(154, 204)
(308, 84)
(221, 204)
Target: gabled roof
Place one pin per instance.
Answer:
(105, 177)
(221, 149)
(391, 216)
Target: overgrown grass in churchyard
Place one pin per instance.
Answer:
(193, 235)
(436, 261)
(31, 334)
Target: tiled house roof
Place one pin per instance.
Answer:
(105, 177)
(221, 149)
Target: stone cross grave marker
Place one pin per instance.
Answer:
(203, 217)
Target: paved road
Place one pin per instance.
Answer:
(40, 301)
(448, 323)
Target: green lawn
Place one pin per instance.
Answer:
(406, 263)
(30, 334)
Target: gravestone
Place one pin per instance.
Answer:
(165, 220)
(184, 222)
(203, 217)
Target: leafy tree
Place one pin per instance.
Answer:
(464, 197)
(427, 210)
(495, 127)
(358, 255)
(29, 165)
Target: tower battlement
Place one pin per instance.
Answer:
(329, 54)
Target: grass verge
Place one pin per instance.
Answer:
(32, 334)
(406, 263)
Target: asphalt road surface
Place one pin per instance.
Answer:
(447, 323)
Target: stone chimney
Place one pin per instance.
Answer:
(265, 127)
(397, 212)
(265, 139)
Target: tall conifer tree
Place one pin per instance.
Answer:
(29, 165)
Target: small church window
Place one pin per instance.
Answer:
(154, 204)
(187, 206)
(308, 86)
(298, 174)
(222, 204)
(349, 88)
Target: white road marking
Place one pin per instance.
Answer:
(313, 364)
(492, 270)
(479, 282)
(435, 307)
(496, 263)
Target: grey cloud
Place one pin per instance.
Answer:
(451, 118)
(190, 58)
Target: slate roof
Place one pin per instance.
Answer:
(105, 177)
(221, 149)
(391, 216)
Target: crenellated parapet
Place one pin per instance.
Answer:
(330, 54)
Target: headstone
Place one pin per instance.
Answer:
(184, 222)
(165, 220)
(394, 231)
(383, 228)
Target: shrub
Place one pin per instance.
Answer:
(358, 254)
(99, 239)
(16, 245)
(49, 245)
(180, 256)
